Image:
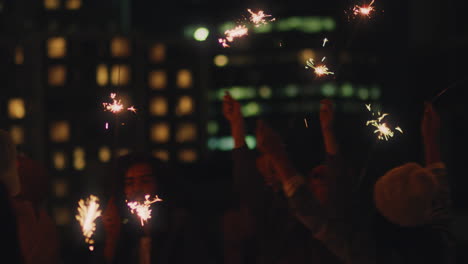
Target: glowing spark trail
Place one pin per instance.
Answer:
(143, 209)
(88, 211)
(258, 19)
(231, 34)
(384, 132)
(325, 40)
(319, 70)
(116, 106)
(364, 10)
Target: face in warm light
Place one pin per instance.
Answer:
(139, 181)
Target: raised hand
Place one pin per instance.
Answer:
(326, 114)
(430, 132)
(232, 112)
(268, 141)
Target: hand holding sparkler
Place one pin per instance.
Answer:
(430, 132)
(232, 112)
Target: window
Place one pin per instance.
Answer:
(104, 154)
(60, 188)
(17, 134)
(73, 4)
(158, 106)
(184, 106)
(161, 154)
(122, 152)
(160, 133)
(305, 54)
(57, 75)
(59, 131)
(62, 216)
(59, 160)
(16, 109)
(184, 79)
(120, 47)
(157, 53)
(186, 132)
(19, 56)
(188, 155)
(51, 4)
(56, 47)
(157, 79)
(120, 74)
(79, 161)
(221, 60)
(102, 75)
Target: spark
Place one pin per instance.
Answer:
(384, 132)
(116, 106)
(259, 18)
(107, 125)
(88, 211)
(231, 34)
(364, 10)
(323, 59)
(305, 122)
(319, 70)
(325, 40)
(143, 209)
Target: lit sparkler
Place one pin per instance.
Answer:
(384, 132)
(364, 10)
(319, 70)
(231, 34)
(116, 106)
(88, 211)
(143, 209)
(259, 18)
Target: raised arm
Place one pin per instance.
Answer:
(430, 132)
(326, 123)
(232, 112)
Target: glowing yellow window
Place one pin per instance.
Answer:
(56, 47)
(157, 53)
(51, 4)
(120, 47)
(184, 79)
(306, 54)
(79, 161)
(161, 154)
(16, 109)
(57, 75)
(19, 56)
(185, 106)
(17, 134)
(59, 131)
(160, 132)
(122, 152)
(60, 188)
(73, 4)
(186, 132)
(188, 155)
(158, 106)
(157, 80)
(104, 154)
(59, 160)
(120, 75)
(102, 75)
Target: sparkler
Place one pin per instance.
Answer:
(364, 10)
(231, 34)
(319, 70)
(143, 209)
(259, 18)
(88, 211)
(325, 40)
(116, 106)
(384, 132)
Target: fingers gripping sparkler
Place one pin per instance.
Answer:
(143, 210)
(88, 212)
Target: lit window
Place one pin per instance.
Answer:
(17, 134)
(79, 161)
(120, 74)
(51, 4)
(328, 89)
(188, 155)
(120, 47)
(62, 216)
(184, 79)
(291, 90)
(221, 60)
(311, 25)
(161, 154)
(104, 154)
(305, 54)
(122, 152)
(347, 90)
(158, 106)
(201, 34)
(251, 109)
(265, 91)
(16, 109)
(102, 75)
(59, 159)
(157, 80)
(363, 93)
(212, 127)
(186, 132)
(59, 131)
(57, 75)
(60, 188)
(184, 106)
(375, 92)
(56, 47)
(73, 4)
(157, 53)
(160, 133)
(19, 56)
